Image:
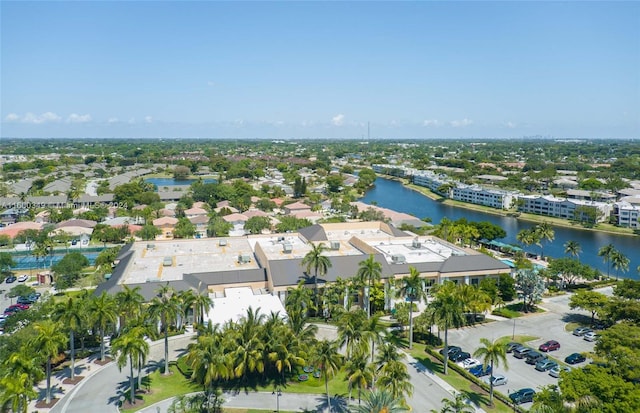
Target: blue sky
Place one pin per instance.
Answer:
(321, 69)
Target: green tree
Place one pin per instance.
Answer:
(69, 268)
(218, 227)
(181, 173)
(544, 231)
(607, 252)
(359, 373)
(102, 313)
(184, 229)
(16, 392)
(129, 303)
(165, 306)
(130, 347)
(531, 285)
(48, 341)
(395, 377)
(148, 232)
(447, 311)
(350, 332)
(413, 288)
(67, 313)
(619, 262)
(209, 360)
(318, 262)
(380, 401)
(506, 287)
(592, 301)
(457, 405)
(326, 354)
(573, 248)
(492, 354)
(255, 225)
(369, 271)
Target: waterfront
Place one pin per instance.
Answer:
(393, 195)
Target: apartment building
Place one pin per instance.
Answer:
(476, 194)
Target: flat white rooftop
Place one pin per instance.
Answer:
(274, 247)
(426, 250)
(169, 260)
(234, 305)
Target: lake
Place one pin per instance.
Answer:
(393, 195)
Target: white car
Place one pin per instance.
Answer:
(23, 278)
(469, 363)
(590, 336)
(498, 380)
(555, 372)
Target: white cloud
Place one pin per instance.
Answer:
(461, 123)
(431, 122)
(75, 118)
(112, 120)
(510, 125)
(38, 119)
(12, 117)
(338, 120)
(148, 119)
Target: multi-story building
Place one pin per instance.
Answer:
(626, 214)
(476, 194)
(571, 209)
(431, 180)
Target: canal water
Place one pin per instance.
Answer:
(393, 195)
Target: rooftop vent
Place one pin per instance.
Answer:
(244, 258)
(280, 239)
(222, 243)
(335, 245)
(151, 246)
(167, 262)
(416, 243)
(287, 248)
(398, 259)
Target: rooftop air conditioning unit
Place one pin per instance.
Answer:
(244, 258)
(416, 243)
(280, 239)
(287, 248)
(167, 262)
(151, 246)
(222, 243)
(335, 245)
(398, 259)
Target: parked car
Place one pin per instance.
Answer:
(581, 331)
(533, 357)
(555, 371)
(23, 278)
(512, 346)
(590, 336)
(575, 358)
(11, 279)
(480, 370)
(469, 363)
(522, 396)
(452, 350)
(24, 300)
(461, 356)
(521, 352)
(498, 380)
(550, 345)
(546, 364)
(19, 306)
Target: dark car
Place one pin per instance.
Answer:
(481, 370)
(11, 279)
(462, 355)
(521, 352)
(575, 358)
(546, 364)
(522, 396)
(452, 350)
(24, 300)
(512, 346)
(550, 345)
(533, 357)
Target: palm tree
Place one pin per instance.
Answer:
(620, 262)
(102, 312)
(326, 355)
(68, 314)
(387, 353)
(573, 248)
(129, 302)
(375, 331)
(475, 300)
(369, 270)
(526, 237)
(491, 354)
(544, 231)
(165, 307)
(318, 262)
(202, 304)
(209, 360)
(607, 253)
(16, 393)
(285, 353)
(299, 299)
(350, 332)
(447, 311)
(395, 377)
(132, 347)
(457, 405)
(48, 341)
(412, 287)
(380, 401)
(359, 373)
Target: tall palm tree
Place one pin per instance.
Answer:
(380, 401)
(165, 307)
(326, 355)
(186, 298)
(16, 392)
(209, 360)
(359, 373)
(607, 253)
(103, 313)
(48, 341)
(129, 302)
(314, 259)
(68, 314)
(619, 262)
(369, 271)
(387, 353)
(395, 377)
(129, 348)
(544, 231)
(573, 248)
(475, 300)
(457, 405)
(447, 311)
(526, 237)
(491, 354)
(350, 332)
(285, 352)
(202, 304)
(299, 299)
(412, 287)
(375, 332)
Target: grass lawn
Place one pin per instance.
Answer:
(517, 339)
(163, 387)
(337, 385)
(572, 326)
(459, 382)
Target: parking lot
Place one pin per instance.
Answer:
(546, 326)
